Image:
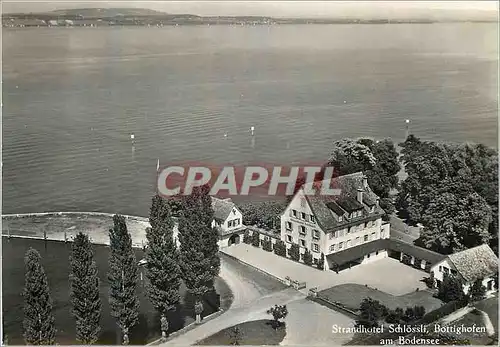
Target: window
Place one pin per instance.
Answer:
(312, 218)
(289, 238)
(376, 253)
(357, 240)
(373, 236)
(340, 218)
(348, 244)
(315, 247)
(288, 225)
(446, 270)
(330, 236)
(302, 230)
(365, 238)
(302, 202)
(453, 272)
(303, 216)
(334, 233)
(349, 230)
(294, 213)
(302, 243)
(440, 269)
(237, 222)
(230, 224)
(332, 248)
(316, 234)
(341, 245)
(368, 255)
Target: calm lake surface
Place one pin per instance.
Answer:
(72, 97)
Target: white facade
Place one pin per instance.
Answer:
(233, 221)
(439, 270)
(299, 225)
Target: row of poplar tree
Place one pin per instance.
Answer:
(196, 262)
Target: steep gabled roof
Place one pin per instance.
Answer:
(222, 208)
(323, 205)
(475, 263)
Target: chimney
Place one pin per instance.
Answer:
(365, 182)
(360, 196)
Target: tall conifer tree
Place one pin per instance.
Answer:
(122, 277)
(199, 259)
(162, 269)
(84, 290)
(39, 322)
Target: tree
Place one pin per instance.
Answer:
(255, 239)
(235, 336)
(280, 248)
(453, 191)
(279, 312)
(84, 290)
(162, 270)
(419, 312)
(198, 257)
(308, 258)
(477, 291)
(294, 252)
(265, 215)
(38, 323)
(321, 262)
(371, 312)
(451, 289)
(122, 278)
(378, 160)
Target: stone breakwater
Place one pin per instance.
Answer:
(63, 226)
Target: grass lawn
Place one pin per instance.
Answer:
(475, 338)
(257, 333)
(56, 262)
(350, 296)
(490, 306)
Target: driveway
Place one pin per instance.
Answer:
(388, 275)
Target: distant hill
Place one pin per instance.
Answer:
(107, 12)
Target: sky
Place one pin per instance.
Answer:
(311, 9)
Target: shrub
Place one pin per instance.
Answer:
(371, 312)
(294, 252)
(247, 238)
(409, 315)
(419, 312)
(278, 312)
(255, 239)
(477, 291)
(308, 258)
(451, 289)
(280, 248)
(321, 262)
(267, 245)
(406, 260)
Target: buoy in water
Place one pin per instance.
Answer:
(252, 129)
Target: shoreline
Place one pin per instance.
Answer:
(63, 226)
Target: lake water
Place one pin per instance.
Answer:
(72, 97)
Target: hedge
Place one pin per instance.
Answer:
(443, 311)
(280, 248)
(255, 239)
(267, 245)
